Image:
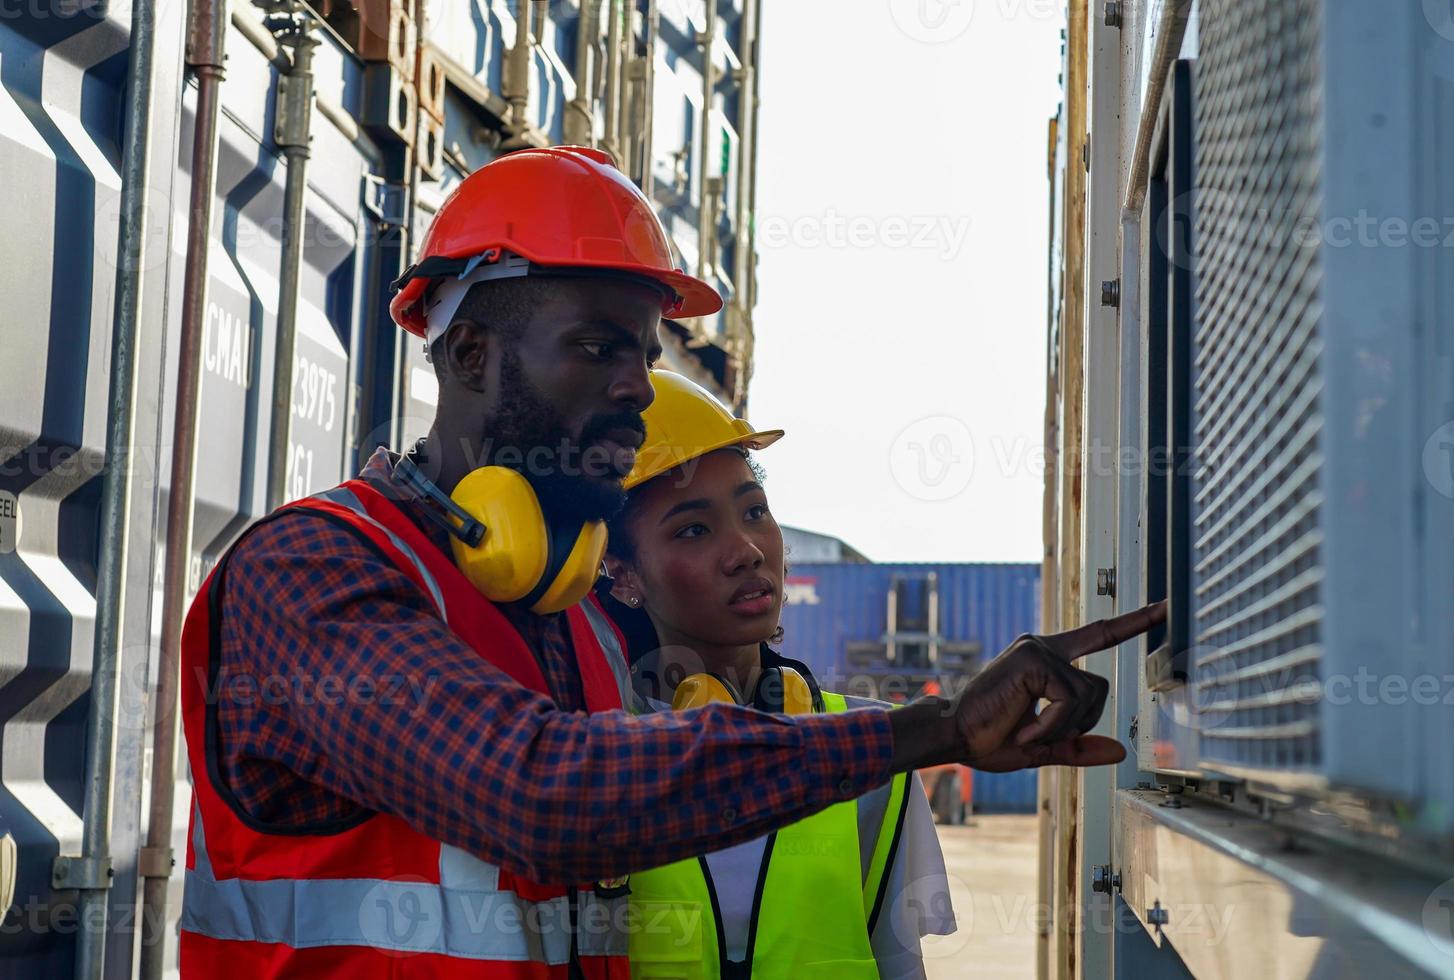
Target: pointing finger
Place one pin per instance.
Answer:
(1106, 633)
(1087, 750)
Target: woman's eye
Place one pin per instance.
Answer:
(757, 512)
(692, 531)
(598, 349)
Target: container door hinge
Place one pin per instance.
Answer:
(86, 874)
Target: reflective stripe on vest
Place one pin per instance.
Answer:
(813, 907)
(345, 497)
(611, 644)
(360, 895)
(465, 914)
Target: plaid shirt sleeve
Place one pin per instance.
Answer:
(377, 704)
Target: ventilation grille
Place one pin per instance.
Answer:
(1256, 384)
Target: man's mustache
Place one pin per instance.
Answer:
(602, 425)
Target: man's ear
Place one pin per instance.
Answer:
(466, 353)
(625, 585)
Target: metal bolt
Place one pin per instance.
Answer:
(1104, 880)
(1158, 916)
(1106, 581)
(1110, 292)
(1113, 13)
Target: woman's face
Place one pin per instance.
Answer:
(709, 555)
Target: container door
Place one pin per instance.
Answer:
(62, 101)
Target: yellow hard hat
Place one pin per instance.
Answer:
(684, 422)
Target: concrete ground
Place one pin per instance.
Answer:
(992, 880)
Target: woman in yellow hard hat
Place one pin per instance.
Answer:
(697, 565)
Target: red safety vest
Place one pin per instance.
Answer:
(374, 897)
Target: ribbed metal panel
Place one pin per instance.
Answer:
(63, 75)
(1258, 422)
(831, 606)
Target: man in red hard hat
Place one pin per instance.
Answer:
(395, 776)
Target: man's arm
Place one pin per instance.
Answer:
(388, 708)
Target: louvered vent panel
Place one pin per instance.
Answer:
(1258, 613)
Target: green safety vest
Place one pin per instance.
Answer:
(812, 914)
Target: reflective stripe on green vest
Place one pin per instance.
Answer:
(813, 909)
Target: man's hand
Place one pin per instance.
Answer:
(993, 724)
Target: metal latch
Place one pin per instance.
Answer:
(155, 862)
(383, 200)
(87, 874)
(291, 116)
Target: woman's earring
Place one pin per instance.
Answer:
(635, 601)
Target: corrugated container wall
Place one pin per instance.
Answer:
(668, 88)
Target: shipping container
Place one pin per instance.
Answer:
(884, 630)
(1005, 792)
(407, 98)
(63, 91)
(1243, 320)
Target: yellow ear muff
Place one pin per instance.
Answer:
(579, 572)
(797, 695)
(510, 560)
(697, 690)
(514, 560)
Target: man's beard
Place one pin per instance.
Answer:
(527, 435)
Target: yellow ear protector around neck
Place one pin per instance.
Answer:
(504, 542)
(779, 689)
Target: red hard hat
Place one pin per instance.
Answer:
(561, 207)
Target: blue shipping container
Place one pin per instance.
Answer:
(947, 621)
(1005, 792)
(835, 614)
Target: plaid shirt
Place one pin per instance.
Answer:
(341, 691)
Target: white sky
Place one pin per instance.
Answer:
(902, 209)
